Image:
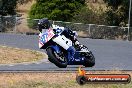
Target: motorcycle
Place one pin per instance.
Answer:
(58, 55)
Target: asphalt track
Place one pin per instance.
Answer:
(109, 54)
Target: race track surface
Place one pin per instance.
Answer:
(109, 54)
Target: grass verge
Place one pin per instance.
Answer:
(52, 80)
(9, 55)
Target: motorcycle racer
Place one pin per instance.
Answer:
(44, 25)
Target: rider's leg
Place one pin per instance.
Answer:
(71, 52)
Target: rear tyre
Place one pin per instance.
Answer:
(89, 60)
(58, 59)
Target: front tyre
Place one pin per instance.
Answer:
(58, 59)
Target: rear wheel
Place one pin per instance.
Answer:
(89, 60)
(57, 58)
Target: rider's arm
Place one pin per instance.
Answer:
(66, 31)
(57, 29)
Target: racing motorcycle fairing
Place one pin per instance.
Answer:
(57, 46)
(63, 41)
(45, 37)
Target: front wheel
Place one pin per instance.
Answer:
(57, 58)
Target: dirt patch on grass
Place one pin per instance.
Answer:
(53, 80)
(9, 55)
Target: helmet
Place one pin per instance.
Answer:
(43, 24)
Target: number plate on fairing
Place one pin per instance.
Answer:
(45, 37)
